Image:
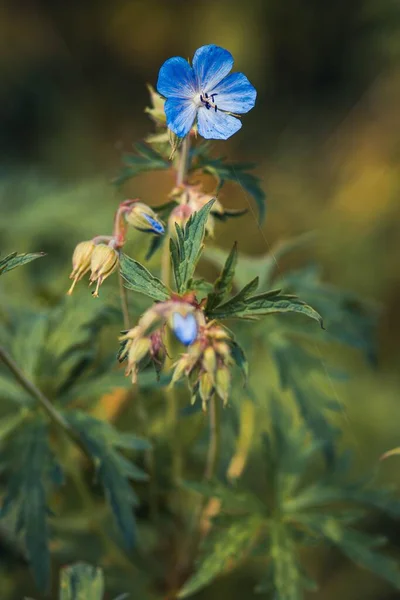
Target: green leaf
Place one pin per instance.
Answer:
(81, 582)
(139, 279)
(114, 471)
(236, 173)
(223, 284)
(243, 305)
(14, 260)
(286, 572)
(232, 497)
(223, 546)
(31, 466)
(145, 159)
(239, 357)
(185, 252)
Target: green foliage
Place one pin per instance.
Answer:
(223, 284)
(32, 470)
(114, 471)
(185, 252)
(297, 510)
(236, 173)
(81, 582)
(144, 160)
(14, 260)
(138, 279)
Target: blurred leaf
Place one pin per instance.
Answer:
(114, 470)
(81, 582)
(236, 173)
(145, 159)
(232, 497)
(185, 252)
(14, 260)
(239, 357)
(358, 547)
(139, 279)
(31, 467)
(225, 546)
(223, 284)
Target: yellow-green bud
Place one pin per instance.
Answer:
(104, 261)
(143, 218)
(180, 367)
(138, 350)
(223, 383)
(223, 350)
(81, 262)
(206, 388)
(209, 361)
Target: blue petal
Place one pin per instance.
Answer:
(211, 64)
(156, 226)
(216, 125)
(185, 328)
(180, 115)
(235, 94)
(176, 79)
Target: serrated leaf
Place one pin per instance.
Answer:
(223, 284)
(145, 159)
(139, 279)
(236, 173)
(31, 465)
(223, 547)
(114, 471)
(14, 260)
(185, 252)
(239, 357)
(243, 305)
(81, 582)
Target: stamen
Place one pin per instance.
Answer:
(208, 101)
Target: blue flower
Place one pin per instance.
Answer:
(185, 328)
(155, 226)
(206, 91)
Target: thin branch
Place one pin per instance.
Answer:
(124, 302)
(215, 439)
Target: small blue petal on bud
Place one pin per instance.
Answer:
(185, 328)
(155, 225)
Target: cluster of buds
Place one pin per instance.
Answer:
(145, 342)
(207, 364)
(100, 258)
(100, 255)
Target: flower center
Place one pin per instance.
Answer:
(208, 101)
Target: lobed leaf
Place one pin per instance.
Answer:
(223, 284)
(145, 159)
(139, 279)
(114, 471)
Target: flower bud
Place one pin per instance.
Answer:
(143, 218)
(180, 368)
(179, 215)
(209, 361)
(223, 383)
(185, 327)
(206, 388)
(104, 261)
(81, 262)
(139, 349)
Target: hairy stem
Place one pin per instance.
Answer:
(124, 302)
(183, 163)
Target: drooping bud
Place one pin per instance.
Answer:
(206, 388)
(223, 383)
(138, 350)
(210, 361)
(143, 218)
(104, 261)
(81, 262)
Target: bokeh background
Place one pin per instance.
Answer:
(324, 135)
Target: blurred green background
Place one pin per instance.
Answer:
(324, 134)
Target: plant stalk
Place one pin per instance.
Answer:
(124, 302)
(215, 439)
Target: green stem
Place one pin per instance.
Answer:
(124, 302)
(44, 402)
(215, 439)
(183, 164)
